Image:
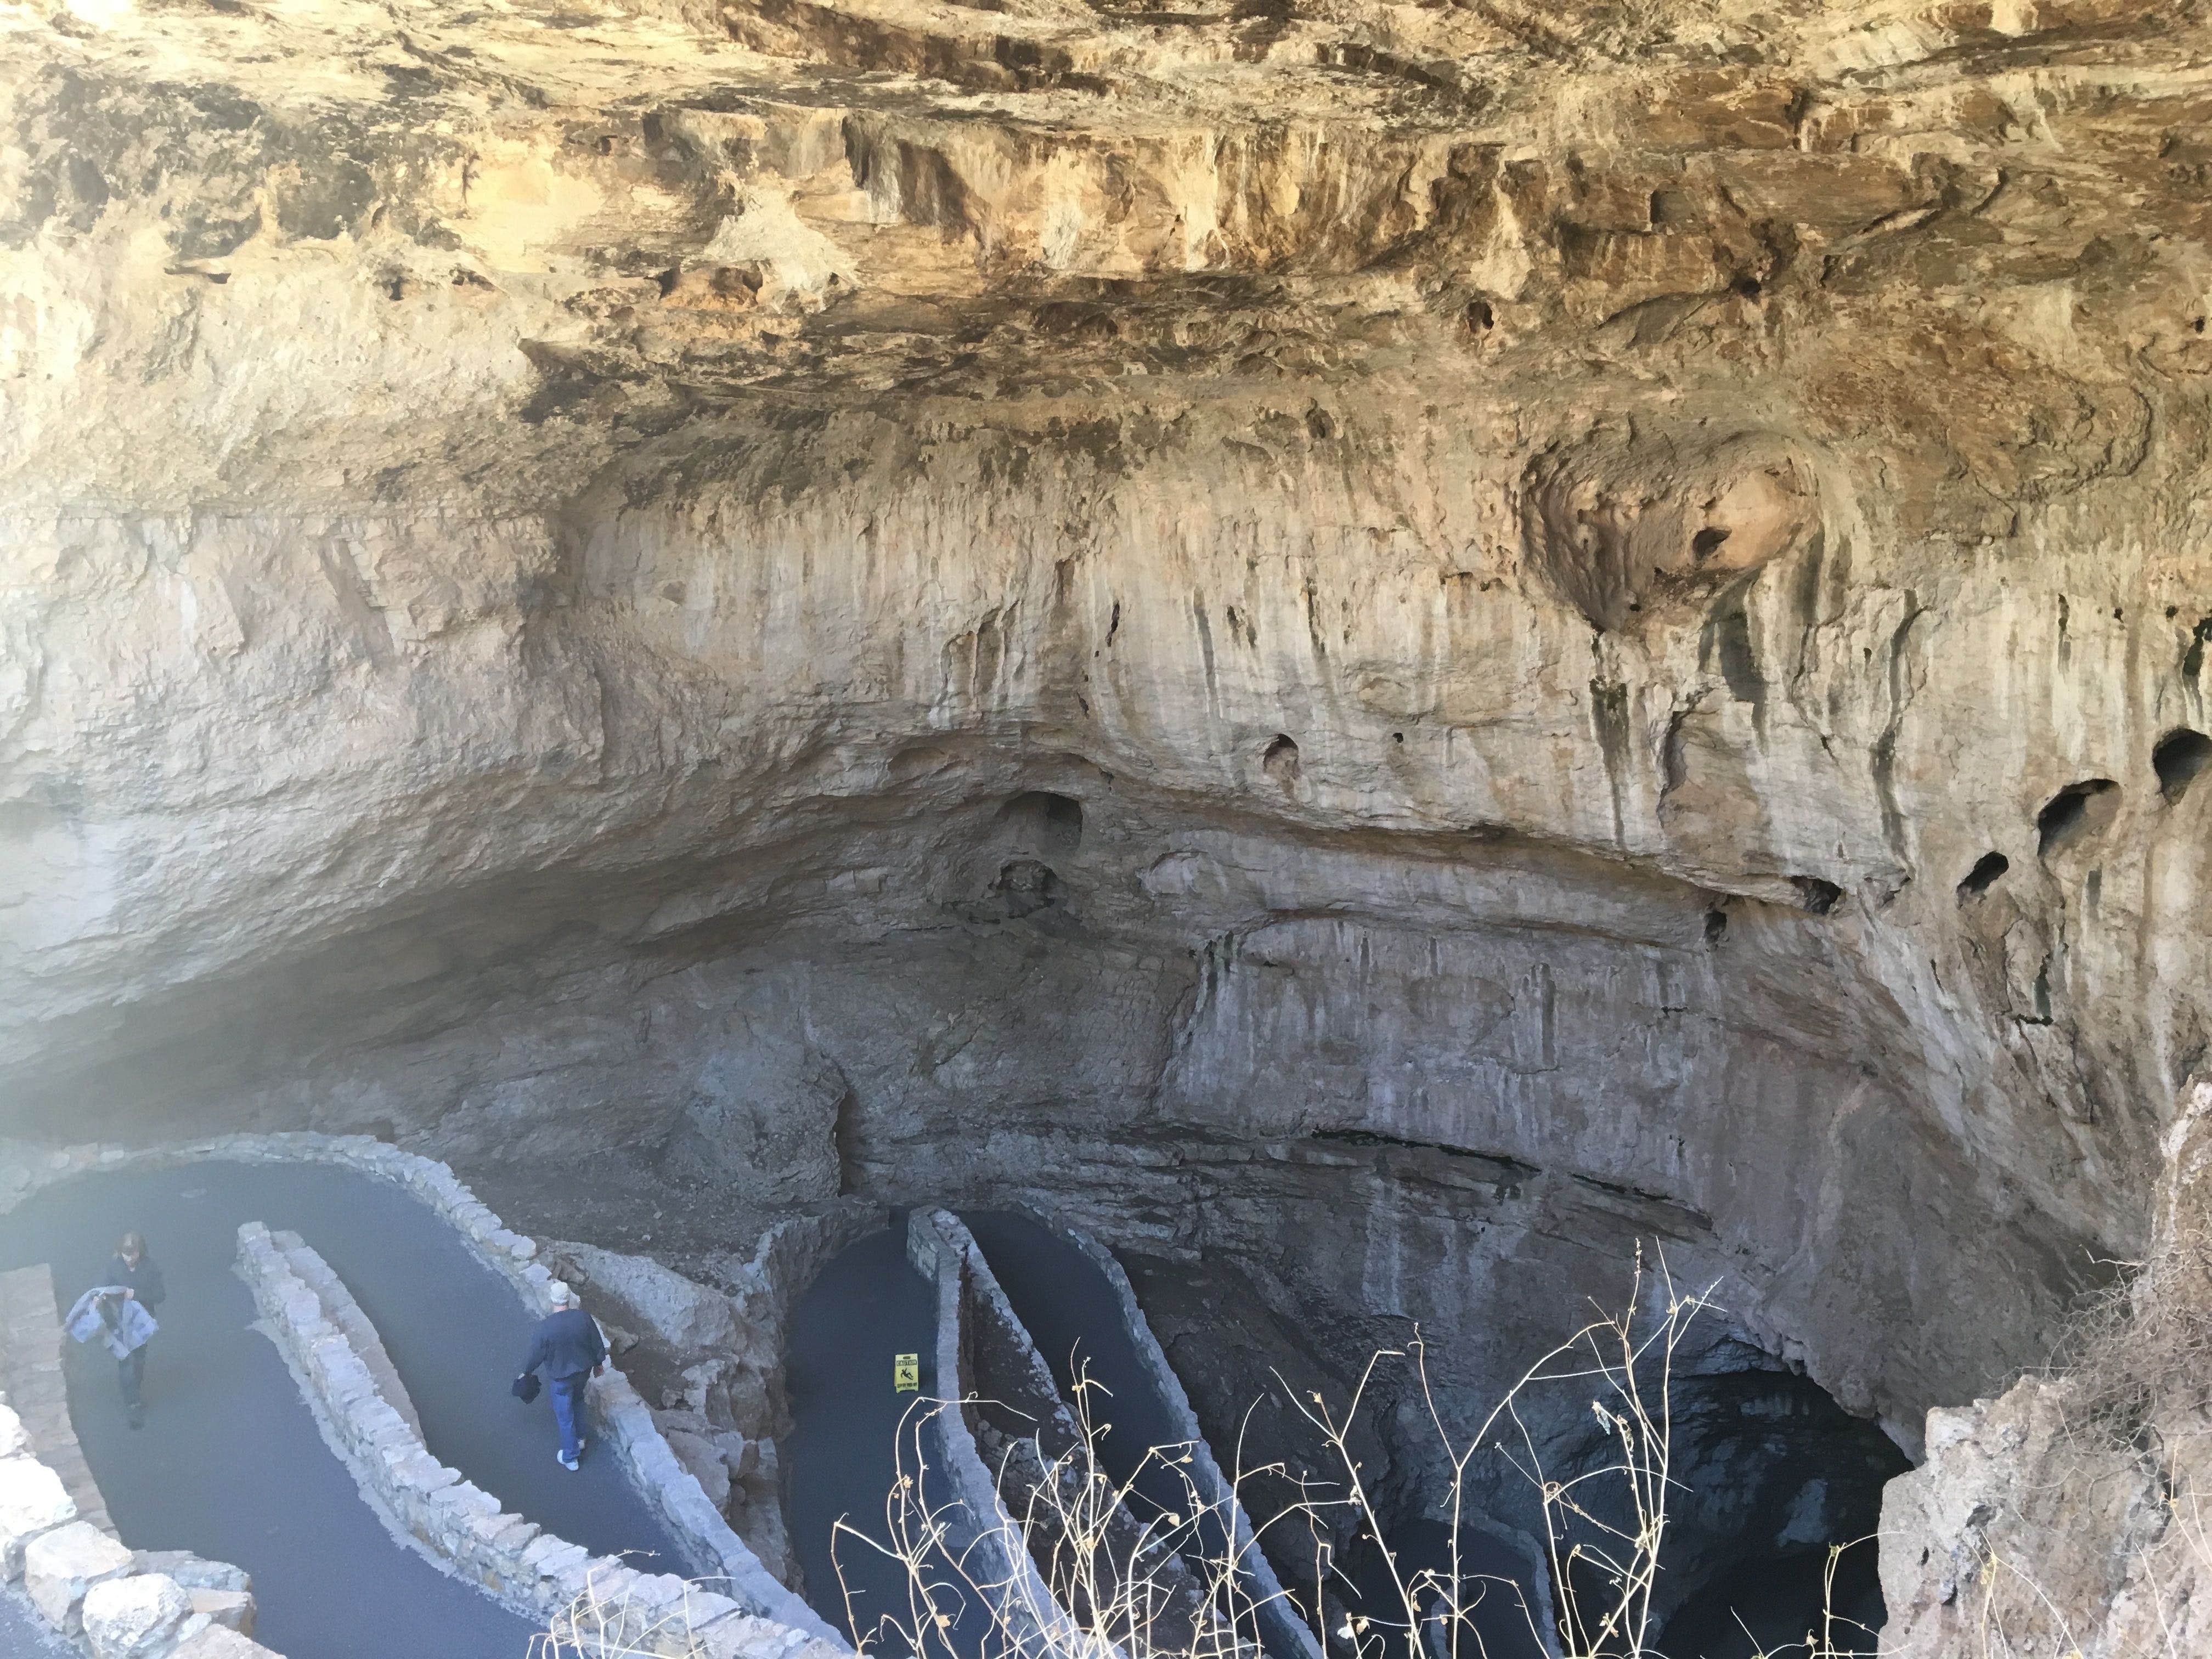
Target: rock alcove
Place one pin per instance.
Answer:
(1362, 655)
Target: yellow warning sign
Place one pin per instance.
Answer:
(906, 1373)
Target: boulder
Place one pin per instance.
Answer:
(218, 1642)
(232, 1609)
(134, 1618)
(31, 1500)
(61, 1566)
(741, 1456)
(194, 1571)
(658, 1302)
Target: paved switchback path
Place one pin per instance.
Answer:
(230, 1463)
(865, 1307)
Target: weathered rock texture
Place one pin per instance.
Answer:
(1403, 643)
(2069, 1515)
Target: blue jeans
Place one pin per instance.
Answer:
(567, 1394)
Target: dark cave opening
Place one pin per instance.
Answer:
(2075, 813)
(1789, 1606)
(1776, 1478)
(2180, 755)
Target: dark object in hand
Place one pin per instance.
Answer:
(527, 1387)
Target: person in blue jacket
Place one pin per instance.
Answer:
(134, 1270)
(569, 1346)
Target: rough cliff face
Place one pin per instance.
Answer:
(2068, 1515)
(1403, 643)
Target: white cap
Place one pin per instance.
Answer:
(561, 1295)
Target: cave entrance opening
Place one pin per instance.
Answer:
(1776, 1479)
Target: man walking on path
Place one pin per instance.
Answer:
(569, 1346)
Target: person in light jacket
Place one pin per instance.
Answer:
(569, 1346)
(141, 1279)
(119, 1312)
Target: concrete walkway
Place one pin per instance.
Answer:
(867, 1306)
(230, 1463)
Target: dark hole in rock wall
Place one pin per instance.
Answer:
(1024, 887)
(1979, 879)
(2075, 813)
(1816, 894)
(2180, 756)
(1280, 761)
(1044, 821)
(845, 1133)
(1765, 1606)
(1768, 1474)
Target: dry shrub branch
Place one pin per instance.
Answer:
(1079, 1565)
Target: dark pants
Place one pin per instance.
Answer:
(567, 1394)
(131, 1369)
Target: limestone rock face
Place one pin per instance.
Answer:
(1402, 644)
(2068, 1515)
(685, 1317)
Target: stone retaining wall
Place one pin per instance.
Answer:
(942, 1251)
(623, 1419)
(345, 1312)
(1284, 1630)
(55, 1537)
(32, 1346)
(461, 1525)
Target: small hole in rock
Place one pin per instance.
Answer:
(1397, 737)
(1747, 287)
(1480, 318)
(1280, 761)
(1044, 821)
(2180, 756)
(1978, 880)
(2078, 811)
(1716, 926)
(1816, 894)
(1025, 886)
(1707, 542)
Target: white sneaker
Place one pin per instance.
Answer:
(565, 1462)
